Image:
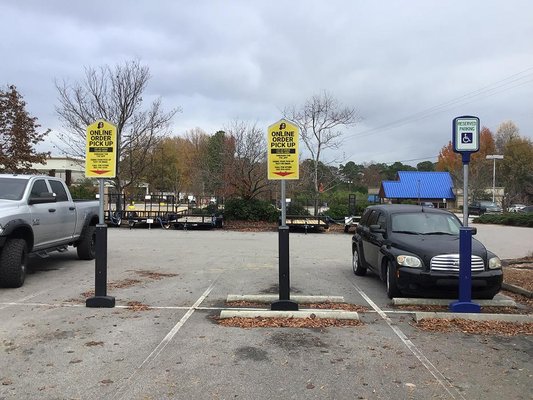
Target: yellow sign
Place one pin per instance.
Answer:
(283, 151)
(101, 150)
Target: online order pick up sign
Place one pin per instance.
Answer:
(283, 150)
(101, 150)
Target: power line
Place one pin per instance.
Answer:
(486, 91)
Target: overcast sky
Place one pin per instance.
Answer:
(407, 67)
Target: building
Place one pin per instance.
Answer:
(71, 170)
(419, 187)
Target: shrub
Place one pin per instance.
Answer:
(294, 208)
(337, 211)
(250, 210)
(514, 219)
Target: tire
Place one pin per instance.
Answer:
(391, 281)
(87, 244)
(117, 218)
(357, 267)
(13, 263)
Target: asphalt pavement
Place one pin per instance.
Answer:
(162, 341)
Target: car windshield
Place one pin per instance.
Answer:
(488, 204)
(12, 189)
(424, 223)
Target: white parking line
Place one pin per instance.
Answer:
(441, 379)
(10, 304)
(122, 391)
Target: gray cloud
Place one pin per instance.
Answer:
(408, 67)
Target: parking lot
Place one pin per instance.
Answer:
(162, 340)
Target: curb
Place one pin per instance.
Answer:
(517, 289)
(333, 314)
(419, 316)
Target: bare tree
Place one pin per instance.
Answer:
(506, 132)
(248, 175)
(114, 94)
(320, 120)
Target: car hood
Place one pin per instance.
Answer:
(428, 246)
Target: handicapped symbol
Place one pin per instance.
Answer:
(467, 137)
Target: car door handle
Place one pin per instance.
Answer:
(51, 210)
(72, 208)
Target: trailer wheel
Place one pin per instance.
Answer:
(13, 263)
(87, 244)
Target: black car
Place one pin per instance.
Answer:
(415, 250)
(483, 206)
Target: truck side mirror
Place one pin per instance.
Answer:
(44, 197)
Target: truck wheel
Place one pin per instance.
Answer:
(87, 244)
(13, 263)
(391, 280)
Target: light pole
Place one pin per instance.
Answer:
(494, 157)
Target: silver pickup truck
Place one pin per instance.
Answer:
(37, 216)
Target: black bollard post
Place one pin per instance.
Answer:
(100, 298)
(284, 303)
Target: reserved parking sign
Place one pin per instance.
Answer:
(466, 134)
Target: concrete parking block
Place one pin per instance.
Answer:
(497, 302)
(269, 298)
(418, 316)
(333, 314)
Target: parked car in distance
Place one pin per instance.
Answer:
(482, 207)
(415, 250)
(515, 207)
(527, 209)
(427, 204)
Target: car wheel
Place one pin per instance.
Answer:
(87, 244)
(357, 267)
(13, 263)
(391, 280)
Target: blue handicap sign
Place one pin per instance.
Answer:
(466, 137)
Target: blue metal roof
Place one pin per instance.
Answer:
(415, 184)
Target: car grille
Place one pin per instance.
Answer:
(450, 263)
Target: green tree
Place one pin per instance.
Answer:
(425, 166)
(18, 134)
(516, 170)
(392, 170)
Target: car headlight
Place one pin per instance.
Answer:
(408, 261)
(495, 263)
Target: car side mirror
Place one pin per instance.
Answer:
(377, 229)
(474, 231)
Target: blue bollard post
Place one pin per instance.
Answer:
(464, 304)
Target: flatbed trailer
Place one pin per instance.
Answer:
(133, 217)
(307, 222)
(187, 220)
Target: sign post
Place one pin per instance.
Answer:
(283, 164)
(100, 162)
(465, 140)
